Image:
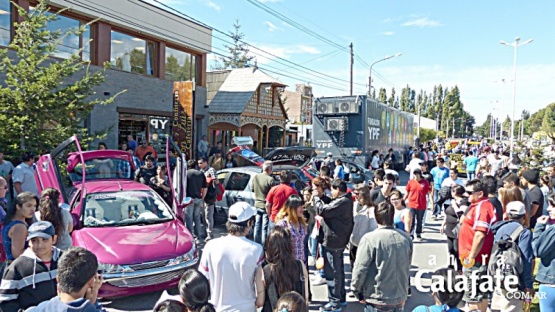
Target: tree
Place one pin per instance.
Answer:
(426, 134)
(548, 123)
(391, 100)
(383, 96)
(373, 93)
(238, 52)
(484, 129)
(44, 100)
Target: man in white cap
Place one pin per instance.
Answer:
(232, 264)
(513, 229)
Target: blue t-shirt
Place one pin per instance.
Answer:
(435, 308)
(439, 175)
(7, 241)
(340, 172)
(471, 162)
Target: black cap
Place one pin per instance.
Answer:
(417, 171)
(423, 163)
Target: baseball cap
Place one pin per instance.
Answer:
(531, 175)
(330, 154)
(417, 171)
(422, 163)
(42, 229)
(241, 212)
(516, 208)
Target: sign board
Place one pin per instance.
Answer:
(183, 118)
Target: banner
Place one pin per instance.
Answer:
(183, 118)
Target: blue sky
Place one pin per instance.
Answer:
(447, 42)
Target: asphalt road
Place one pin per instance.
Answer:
(430, 254)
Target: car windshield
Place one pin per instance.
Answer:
(102, 168)
(125, 208)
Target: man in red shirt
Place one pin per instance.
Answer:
(277, 197)
(417, 191)
(475, 243)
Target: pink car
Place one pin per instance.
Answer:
(140, 243)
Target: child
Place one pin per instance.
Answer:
(31, 278)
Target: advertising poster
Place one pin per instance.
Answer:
(182, 119)
(387, 128)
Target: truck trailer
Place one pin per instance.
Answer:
(351, 127)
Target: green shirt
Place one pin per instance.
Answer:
(262, 184)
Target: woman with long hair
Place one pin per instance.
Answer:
(161, 184)
(364, 220)
(291, 217)
(510, 194)
(291, 302)
(18, 217)
(451, 224)
(194, 289)
(229, 161)
(403, 215)
(50, 210)
(282, 272)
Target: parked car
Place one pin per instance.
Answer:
(141, 244)
(238, 181)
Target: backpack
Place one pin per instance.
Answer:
(506, 257)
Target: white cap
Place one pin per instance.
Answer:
(240, 212)
(516, 208)
(330, 154)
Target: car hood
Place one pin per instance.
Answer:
(297, 156)
(136, 243)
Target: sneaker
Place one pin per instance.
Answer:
(418, 239)
(318, 280)
(330, 307)
(311, 261)
(208, 237)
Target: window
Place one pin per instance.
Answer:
(5, 22)
(237, 181)
(132, 54)
(71, 43)
(180, 66)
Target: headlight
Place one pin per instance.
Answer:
(190, 255)
(112, 268)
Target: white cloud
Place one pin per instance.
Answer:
(283, 51)
(422, 22)
(213, 5)
(271, 26)
(388, 33)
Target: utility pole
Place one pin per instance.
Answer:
(352, 64)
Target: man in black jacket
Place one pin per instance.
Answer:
(31, 278)
(335, 231)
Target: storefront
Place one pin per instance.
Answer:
(150, 125)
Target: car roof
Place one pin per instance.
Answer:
(246, 169)
(113, 186)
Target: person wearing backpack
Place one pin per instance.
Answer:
(512, 244)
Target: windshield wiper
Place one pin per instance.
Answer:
(141, 222)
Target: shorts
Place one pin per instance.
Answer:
(473, 293)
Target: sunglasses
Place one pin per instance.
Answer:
(471, 191)
(395, 199)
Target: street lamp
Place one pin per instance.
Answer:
(376, 62)
(515, 45)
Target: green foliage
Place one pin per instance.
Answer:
(238, 52)
(40, 107)
(548, 122)
(383, 96)
(426, 134)
(391, 100)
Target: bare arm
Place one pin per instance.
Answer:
(259, 286)
(17, 186)
(268, 207)
(18, 234)
(407, 219)
(477, 244)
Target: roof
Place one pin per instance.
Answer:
(237, 90)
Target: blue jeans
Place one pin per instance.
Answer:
(370, 308)
(418, 218)
(192, 216)
(261, 226)
(334, 271)
(437, 207)
(471, 175)
(547, 297)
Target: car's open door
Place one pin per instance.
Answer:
(50, 169)
(177, 174)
